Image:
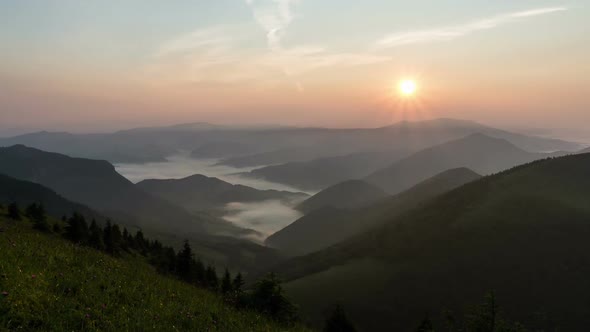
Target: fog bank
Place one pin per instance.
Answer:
(266, 217)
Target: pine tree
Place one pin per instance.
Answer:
(268, 297)
(425, 326)
(140, 241)
(14, 211)
(338, 322)
(226, 283)
(238, 284)
(112, 238)
(200, 272)
(211, 279)
(77, 229)
(116, 240)
(36, 213)
(96, 236)
(184, 263)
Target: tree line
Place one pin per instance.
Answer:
(266, 296)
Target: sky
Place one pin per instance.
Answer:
(105, 65)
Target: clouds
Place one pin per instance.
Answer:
(217, 53)
(452, 32)
(274, 16)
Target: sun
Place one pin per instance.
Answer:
(407, 88)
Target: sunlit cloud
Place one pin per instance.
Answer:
(452, 32)
(274, 16)
(211, 55)
(211, 38)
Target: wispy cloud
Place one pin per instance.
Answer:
(274, 16)
(452, 32)
(213, 54)
(212, 38)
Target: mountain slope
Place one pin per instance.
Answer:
(523, 233)
(321, 173)
(199, 192)
(96, 184)
(350, 194)
(327, 226)
(50, 284)
(25, 193)
(480, 153)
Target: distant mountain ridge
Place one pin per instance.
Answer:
(199, 192)
(478, 152)
(327, 225)
(25, 193)
(155, 144)
(321, 173)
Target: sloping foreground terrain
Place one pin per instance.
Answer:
(523, 233)
(50, 284)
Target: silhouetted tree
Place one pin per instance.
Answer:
(226, 283)
(338, 322)
(14, 211)
(425, 326)
(268, 297)
(126, 239)
(211, 279)
(77, 229)
(140, 241)
(200, 272)
(96, 236)
(36, 213)
(238, 284)
(184, 263)
(112, 238)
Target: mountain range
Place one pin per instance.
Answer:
(521, 233)
(480, 153)
(328, 224)
(277, 145)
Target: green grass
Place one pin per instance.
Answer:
(48, 283)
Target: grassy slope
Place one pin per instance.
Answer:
(523, 232)
(55, 285)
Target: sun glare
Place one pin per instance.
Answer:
(407, 88)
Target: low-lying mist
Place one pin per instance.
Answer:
(266, 217)
(180, 166)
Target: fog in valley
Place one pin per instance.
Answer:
(265, 217)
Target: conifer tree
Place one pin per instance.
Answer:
(200, 272)
(77, 229)
(184, 263)
(96, 236)
(116, 240)
(112, 238)
(425, 326)
(36, 213)
(211, 279)
(238, 284)
(268, 297)
(226, 283)
(14, 211)
(338, 322)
